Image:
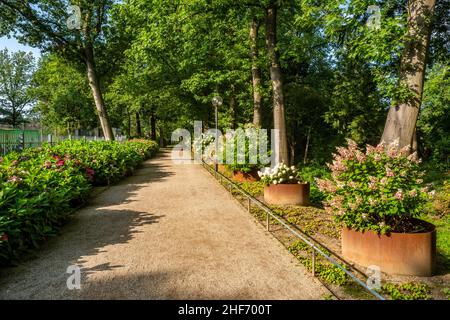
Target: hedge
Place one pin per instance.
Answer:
(40, 186)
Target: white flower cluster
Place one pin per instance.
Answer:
(280, 174)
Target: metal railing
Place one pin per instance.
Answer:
(302, 236)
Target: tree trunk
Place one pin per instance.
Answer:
(138, 125)
(14, 117)
(153, 125)
(401, 119)
(129, 125)
(414, 145)
(256, 72)
(97, 93)
(233, 107)
(292, 146)
(161, 135)
(279, 120)
(305, 157)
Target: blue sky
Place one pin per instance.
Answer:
(12, 45)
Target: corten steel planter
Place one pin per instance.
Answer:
(251, 176)
(397, 253)
(297, 194)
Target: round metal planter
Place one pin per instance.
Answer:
(396, 253)
(284, 194)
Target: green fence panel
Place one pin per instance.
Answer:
(17, 140)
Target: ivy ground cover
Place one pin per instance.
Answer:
(40, 186)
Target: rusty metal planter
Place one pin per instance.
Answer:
(396, 253)
(297, 194)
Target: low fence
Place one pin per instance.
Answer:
(18, 140)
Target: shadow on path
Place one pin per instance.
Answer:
(103, 222)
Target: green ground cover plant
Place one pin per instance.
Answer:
(407, 291)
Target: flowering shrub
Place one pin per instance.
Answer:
(201, 145)
(380, 190)
(250, 137)
(280, 174)
(39, 186)
(240, 145)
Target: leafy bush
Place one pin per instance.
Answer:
(247, 138)
(378, 190)
(280, 174)
(202, 144)
(109, 161)
(441, 203)
(309, 174)
(446, 292)
(39, 186)
(240, 145)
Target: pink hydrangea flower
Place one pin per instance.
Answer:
(399, 195)
(326, 185)
(15, 179)
(392, 152)
(405, 150)
(361, 157)
(389, 172)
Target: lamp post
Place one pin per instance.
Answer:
(217, 102)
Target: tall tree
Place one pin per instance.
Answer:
(49, 26)
(402, 118)
(63, 95)
(279, 120)
(256, 70)
(16, 70)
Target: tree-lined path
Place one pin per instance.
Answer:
(168, 232)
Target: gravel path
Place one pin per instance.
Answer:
(168, 232)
